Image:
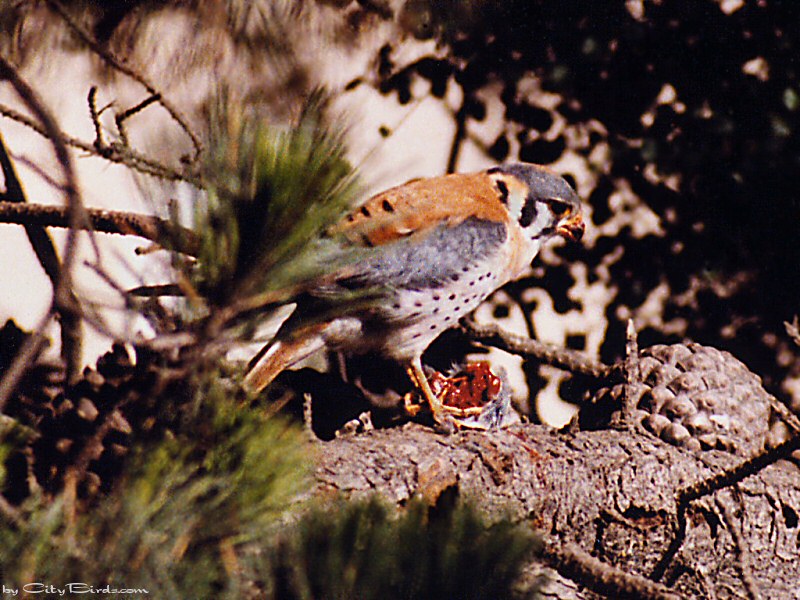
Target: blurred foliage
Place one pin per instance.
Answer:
(272, 193)
(177, 517)
(211, 502)
(364, 550)
(689, 94)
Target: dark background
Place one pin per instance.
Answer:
(727, 141)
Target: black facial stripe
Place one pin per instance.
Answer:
(501, 185)
(528, 212)
(546, 232)
(494, 170)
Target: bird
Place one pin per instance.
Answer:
(421, 256)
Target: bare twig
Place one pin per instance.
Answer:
(729, 477)
(112, 153)
(95, 115)
(581, 567)
(127, 114)
(40, 171)
(156, 291)
(40, 241)
(64, 300)
(563, 358)
(707, 486)
(793, 329)
(745, 563)
(631, 367)
(458, 138)
(103, 221)
(25, 357)
(120, 66)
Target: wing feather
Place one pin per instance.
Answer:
(420, 205)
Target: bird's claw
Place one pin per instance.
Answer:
(473, 398)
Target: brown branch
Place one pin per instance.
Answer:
(112, 153)
(25, 357)
(704, 487)
(745, 562)
(563, 484)
(127, 114)
(578, 565)
(120, 66)
(458, 138)
(563, 358)
(103, 221)
(65, 303)
(738, 473)
(95, 116)
(40, 240)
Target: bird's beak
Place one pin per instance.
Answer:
(572, 229)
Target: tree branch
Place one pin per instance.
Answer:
(562, 358)
(566, 484)
(115, 63)
(112, 153)
(65, 303)
(104, 221)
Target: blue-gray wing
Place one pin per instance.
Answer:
(425, 260)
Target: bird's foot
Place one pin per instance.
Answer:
(472, 398)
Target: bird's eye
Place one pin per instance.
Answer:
(559, 207)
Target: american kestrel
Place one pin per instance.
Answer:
(428, 252)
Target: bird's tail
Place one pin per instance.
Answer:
(278, 355)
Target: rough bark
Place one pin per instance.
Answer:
(609, 493)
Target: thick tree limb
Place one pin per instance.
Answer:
(612, 494)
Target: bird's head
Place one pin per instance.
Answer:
(541, 201)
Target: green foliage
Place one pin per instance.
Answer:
(365, 550)
(273, 192)
(177, 520)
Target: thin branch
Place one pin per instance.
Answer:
(95, 116)
(632, 376)
(127, 114)
(120, 66)
(152, 311)
(745, 562)
(40, 240)
(742, 471)
(103, 221)
(39, 171)
(563, 358)
(458, 138)
(25, 357)
(581, 567)
(112, 153)
(704, 487)
(64, 300)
